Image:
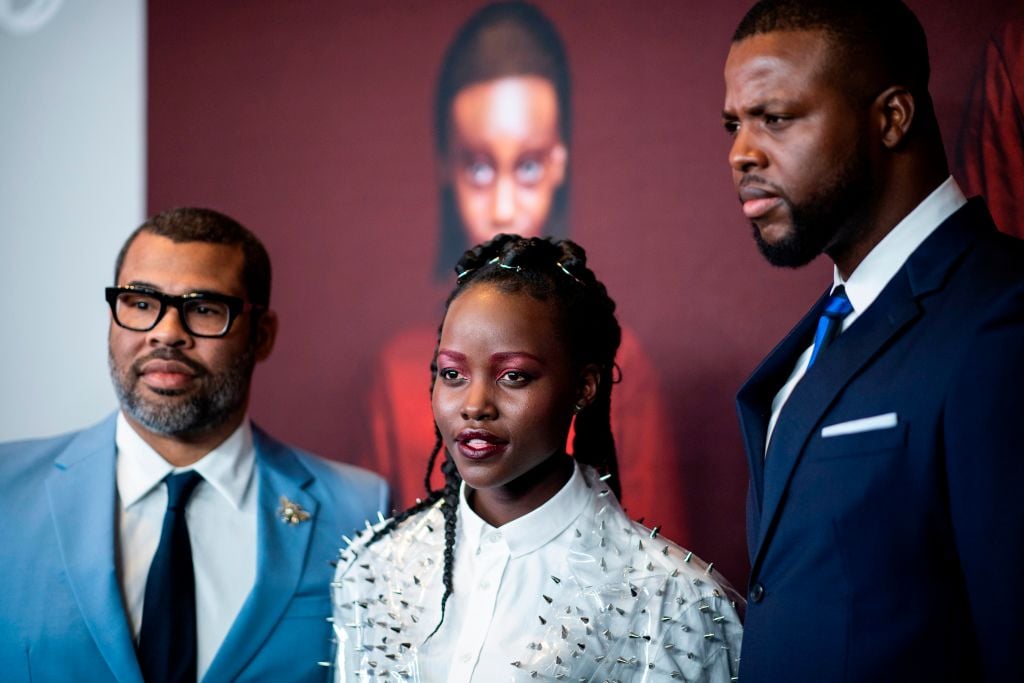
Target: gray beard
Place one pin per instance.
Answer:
(219, 397)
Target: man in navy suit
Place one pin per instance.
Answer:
(885, 518)
(85, 515)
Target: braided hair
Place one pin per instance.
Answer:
(548, 270)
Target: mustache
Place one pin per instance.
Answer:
(751, 179)
(170, 355)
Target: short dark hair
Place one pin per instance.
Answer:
(880, 37)
(189, 224)
(503, 39)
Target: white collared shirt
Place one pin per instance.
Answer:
(221, 516)
(495, 568)
(877, 269)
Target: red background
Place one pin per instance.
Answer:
(311, 123)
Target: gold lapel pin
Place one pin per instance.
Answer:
(291, 513)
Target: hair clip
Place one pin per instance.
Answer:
(493, 261)
(518, 269)
(566, 271)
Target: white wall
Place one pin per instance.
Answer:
(72, 186)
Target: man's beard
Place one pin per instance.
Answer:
(219, 395)
(836, 210)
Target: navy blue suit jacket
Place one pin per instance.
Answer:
(896, 554)
(62, 616)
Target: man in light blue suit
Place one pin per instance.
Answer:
(86, 515)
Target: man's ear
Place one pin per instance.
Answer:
(896, 109)
(266, 333)
(590, 380)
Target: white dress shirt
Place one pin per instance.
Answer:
(573, 590)
(877, 268)
(221, 516)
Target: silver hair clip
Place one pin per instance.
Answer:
(566, 271)
(492, 262)
(517, 269)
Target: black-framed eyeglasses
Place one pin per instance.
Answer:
(202, 314)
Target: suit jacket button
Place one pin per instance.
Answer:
(756, 593)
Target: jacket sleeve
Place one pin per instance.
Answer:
(984, 456)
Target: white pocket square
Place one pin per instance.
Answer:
(864, 424)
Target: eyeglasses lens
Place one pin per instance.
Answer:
(139, 311)
(204, 316)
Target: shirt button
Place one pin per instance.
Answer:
(484, 585)
(465, 657)
(756, 593)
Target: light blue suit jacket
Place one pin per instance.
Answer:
(62, 616)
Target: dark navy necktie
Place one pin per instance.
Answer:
(167, 639)
(831, 321)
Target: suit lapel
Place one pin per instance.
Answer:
(281, 556)
(894, 310)
(818, 389)
(754, 400)
(86, 473)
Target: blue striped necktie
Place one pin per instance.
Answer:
(831, 321)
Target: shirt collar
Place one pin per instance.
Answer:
(228, 468)
(889, 255)
(536, 528)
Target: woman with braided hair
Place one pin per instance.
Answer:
(523, 566)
